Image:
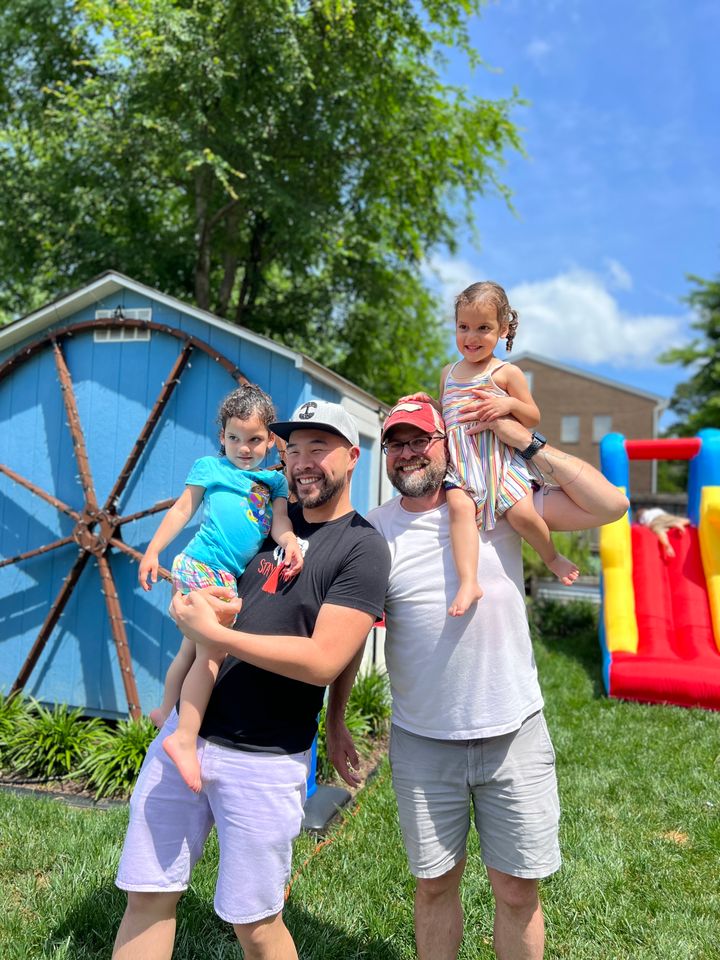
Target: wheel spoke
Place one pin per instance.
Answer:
(155, 508)
(48, 497)
(168, 388)
(75, 429)
(53, 615)
(94, 528)
(136, 555)
(37, 552)
(117, 626)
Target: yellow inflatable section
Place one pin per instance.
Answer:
(621, 632)
(709, 534)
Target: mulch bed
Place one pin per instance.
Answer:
(75, 793)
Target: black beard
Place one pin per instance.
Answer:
(418, 484)
(326, 492)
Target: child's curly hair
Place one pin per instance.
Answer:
(485, 291)
(247, 401)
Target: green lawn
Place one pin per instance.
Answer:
(640, 835)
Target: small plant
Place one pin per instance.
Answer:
(359, 727)
(550, 618)
(575, 545)
(50, 742)
(13, 710)
(370, 696)
(114, 760)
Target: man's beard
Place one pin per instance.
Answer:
(328, 489)
(421, 482)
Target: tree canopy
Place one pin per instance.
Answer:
(289, 165)
(696, 401)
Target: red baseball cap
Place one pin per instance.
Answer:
(417, 410)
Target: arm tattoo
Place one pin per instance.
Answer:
(549, 469)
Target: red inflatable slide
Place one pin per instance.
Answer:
(677, 659)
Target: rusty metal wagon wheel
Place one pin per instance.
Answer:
(98, 528)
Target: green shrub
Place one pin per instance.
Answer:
(575, 545)
(550, 618)
(370, 697)
(13, 710)
(115, 757)
(359, 727)
(50, 742)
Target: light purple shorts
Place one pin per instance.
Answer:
(189, 574)
(255, 801)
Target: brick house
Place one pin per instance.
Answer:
(579, 408)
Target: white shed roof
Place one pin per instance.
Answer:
(110, 282)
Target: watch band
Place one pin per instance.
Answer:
(536, 444)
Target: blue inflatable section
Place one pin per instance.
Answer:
(704, 471)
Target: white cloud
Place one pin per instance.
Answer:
(573, 316)
(537, 50)
(619, 276)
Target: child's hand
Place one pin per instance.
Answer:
(293, 558)
(491, 407)
(148, 567)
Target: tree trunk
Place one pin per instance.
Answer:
(252, 272)
(203, 182)
(231, 261)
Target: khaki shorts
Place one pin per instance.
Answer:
(509, 782)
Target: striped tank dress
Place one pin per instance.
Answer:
(494, 475)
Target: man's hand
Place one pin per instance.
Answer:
(341, 751)
(194, 616)
(224, 603)
(220, 601)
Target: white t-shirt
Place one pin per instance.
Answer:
(455, 678)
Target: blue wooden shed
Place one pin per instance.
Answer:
(107, 396)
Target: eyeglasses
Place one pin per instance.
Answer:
(417, 445)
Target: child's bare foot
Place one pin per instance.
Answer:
(564, 569)
(158, 717)
(183, 753)
(467, 595)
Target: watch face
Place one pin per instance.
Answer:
(538, 438)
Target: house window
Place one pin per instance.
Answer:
(602, 424)
(122, 334)
(529, 378)
(570, 430)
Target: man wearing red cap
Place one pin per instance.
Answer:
(468, 733)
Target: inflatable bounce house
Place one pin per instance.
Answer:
(660, 617)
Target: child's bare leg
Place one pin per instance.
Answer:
(465, 547)
(181, 745)
(177, 671)
(525, 520)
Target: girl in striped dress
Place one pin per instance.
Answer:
(488, 479)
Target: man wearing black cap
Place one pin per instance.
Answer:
(289, 642)
(468, 734)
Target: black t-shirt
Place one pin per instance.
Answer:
(347, 563)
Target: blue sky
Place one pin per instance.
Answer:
(618, 197)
